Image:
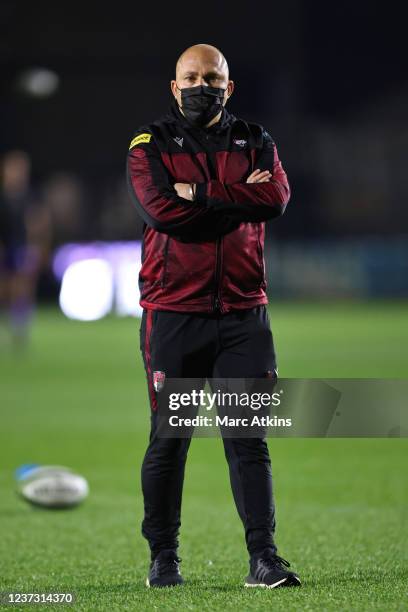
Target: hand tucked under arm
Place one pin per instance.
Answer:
(263, 196)
(187, 190)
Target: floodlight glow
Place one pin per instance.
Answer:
(38, 82)
(124, 261)
(87, 290)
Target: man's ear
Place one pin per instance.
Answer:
(229, 90)
(173, 87)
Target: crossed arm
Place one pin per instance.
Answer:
(169, 208)
(188, 190)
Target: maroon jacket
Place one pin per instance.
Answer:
(205, 255)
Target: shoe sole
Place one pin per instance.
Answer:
(263, 585)
(285, 582)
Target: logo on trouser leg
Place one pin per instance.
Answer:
(158, 380)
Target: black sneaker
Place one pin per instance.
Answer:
(269, 570)
(164, 570)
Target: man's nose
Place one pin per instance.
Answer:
(202, 81)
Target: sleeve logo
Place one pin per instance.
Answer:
(139, 139)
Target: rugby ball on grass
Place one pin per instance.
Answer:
(51, 486)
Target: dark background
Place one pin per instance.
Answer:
(326, 79)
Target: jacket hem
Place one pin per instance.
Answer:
(227, 306)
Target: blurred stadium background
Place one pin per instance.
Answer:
(328, 82)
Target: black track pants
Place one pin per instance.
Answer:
(183, 345)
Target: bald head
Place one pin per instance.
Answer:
(202, 65)
(202, 54)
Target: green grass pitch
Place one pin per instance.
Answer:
(78, 398)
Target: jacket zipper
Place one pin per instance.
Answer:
(212, 167)
(217, 302)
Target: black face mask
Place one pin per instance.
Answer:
(201, 104)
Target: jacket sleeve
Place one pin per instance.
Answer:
(155, 197)
(248, 202)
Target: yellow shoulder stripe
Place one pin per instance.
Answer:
(139, 139)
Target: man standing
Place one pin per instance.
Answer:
(205, 183)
